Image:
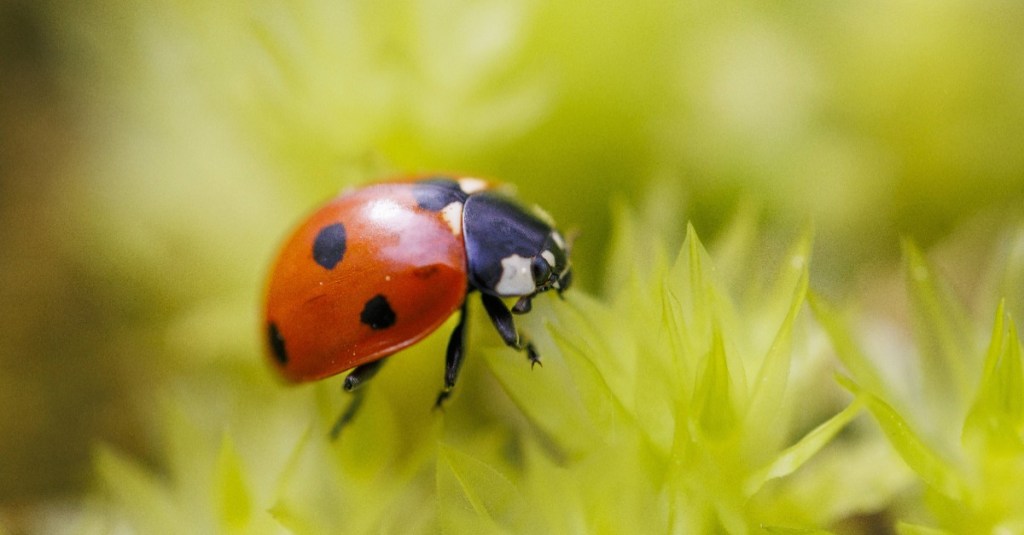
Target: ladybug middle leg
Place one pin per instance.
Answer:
(503, 322)
(353, 382)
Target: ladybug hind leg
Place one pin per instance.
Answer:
(353, 383)
(453, 357)
(503, 322)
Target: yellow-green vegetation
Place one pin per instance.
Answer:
(697, 397)
(800, 266)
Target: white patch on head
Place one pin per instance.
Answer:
(452, 214)
(516, 278)
(549, 257)
(470, 185)
(557, 238)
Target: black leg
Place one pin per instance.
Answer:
(353, 382)
(523, 305)
(361, 374)
(453, 358)
(503, 322)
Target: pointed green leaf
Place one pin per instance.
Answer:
(568, 377)
(1010, 383)
(996, 416)
(996, 342)
(697, 301)
(473, 497)
(847, 350)
(535, 392)
(682, 372)
(929, 465)
(796, 455)
(770, 384)
(231, 493)
(903, 528)
(976, 423)
(691, 289)
(942, 332)
(659, 382)
(777, 298)
(706, 308)
(598, 398)
(713, 399)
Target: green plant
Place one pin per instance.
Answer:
(678, 402)
(960, 426)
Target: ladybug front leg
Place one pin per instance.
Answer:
(503, 322)
(353, 382)
(453, 357)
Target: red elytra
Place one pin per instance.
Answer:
(399, 274)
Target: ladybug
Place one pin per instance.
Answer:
(378, 268)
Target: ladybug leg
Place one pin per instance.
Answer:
(361, 374)
(453, 357)
(352, 384)
(503, 322)
(523, 305)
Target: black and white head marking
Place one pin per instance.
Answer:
(511, 250)
(515, 276)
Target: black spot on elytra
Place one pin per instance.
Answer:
(329, 247)
(377, 313)
(435, 193)
(277, 344)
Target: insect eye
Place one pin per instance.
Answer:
(541, 270)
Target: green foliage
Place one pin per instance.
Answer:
(690, 398)
(685, 388)
(963, 439)
(668, 405)
(677, 402)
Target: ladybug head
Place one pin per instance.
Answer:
(550, 268)
(513, 251)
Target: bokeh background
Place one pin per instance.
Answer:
(153, 154)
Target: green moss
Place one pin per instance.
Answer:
(685, 387)
(963, 437)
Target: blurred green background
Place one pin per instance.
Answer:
(153, 154)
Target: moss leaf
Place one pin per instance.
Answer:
(230, 490)
(796, 455)
(712, 402)
(846, 348)
(904, 528)
(943, 336)
(925, 461)
(770, 383)
(473, 496)
(995, 420)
